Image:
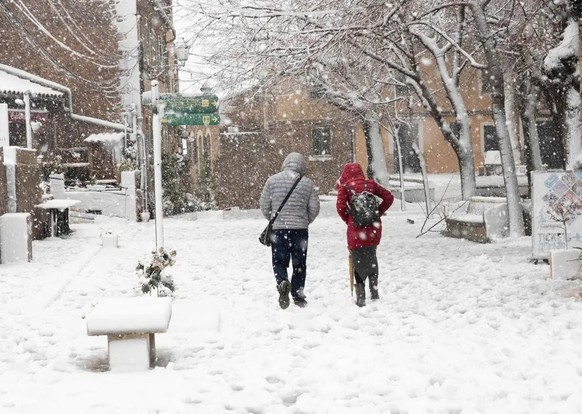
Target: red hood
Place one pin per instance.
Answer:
(351, 171)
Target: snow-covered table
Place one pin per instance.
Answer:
(130, 325)
(55, 206)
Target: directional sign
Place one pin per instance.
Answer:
(190, 103)
(185, 118)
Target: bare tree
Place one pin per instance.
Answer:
(495, 69)
(332, 44)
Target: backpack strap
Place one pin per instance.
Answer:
(286, 198)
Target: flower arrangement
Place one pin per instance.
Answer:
(151, 276)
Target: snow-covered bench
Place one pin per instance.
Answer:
(130, 325)
(480, 219)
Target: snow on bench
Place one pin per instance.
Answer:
(130, 325)
(479, 219)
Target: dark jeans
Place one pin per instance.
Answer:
(290, 245)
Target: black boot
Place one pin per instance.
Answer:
(284, 288)
(360, 294)
(373, 281)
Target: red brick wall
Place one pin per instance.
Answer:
(89, 64)
(244, 164)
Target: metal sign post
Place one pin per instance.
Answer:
(157, 110)
(174, 109)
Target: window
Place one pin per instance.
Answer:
(407, 136)
(551, 146)
(321, 138)
(203, 151)
(490, 138)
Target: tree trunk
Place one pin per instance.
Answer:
(533, 138)
(375, 147)
(572, 122)
(513, 120)
(516, 227)
(467, 173)
(400, 169)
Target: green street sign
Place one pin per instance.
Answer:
(185, 118)
(190, 103)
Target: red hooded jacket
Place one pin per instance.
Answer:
(352, 181)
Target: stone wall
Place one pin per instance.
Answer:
(28, 178)
(3, 193)
(244, 164)
(247, 159)
(20, 191)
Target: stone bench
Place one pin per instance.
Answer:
(130, 325)
(479, 219)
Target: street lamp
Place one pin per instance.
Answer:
(182, 51)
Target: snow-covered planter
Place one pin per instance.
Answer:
(151, 275)
(145, 216)
(566, 264)
(109, 239)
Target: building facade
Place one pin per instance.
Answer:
(96, 58)
(260, 129)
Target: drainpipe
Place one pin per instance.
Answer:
(27, 119)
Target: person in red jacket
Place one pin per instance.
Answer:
(362, 241)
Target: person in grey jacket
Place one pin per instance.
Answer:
(290, 235)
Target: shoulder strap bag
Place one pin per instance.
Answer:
(265, 237)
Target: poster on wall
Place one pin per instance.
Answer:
(556, 212)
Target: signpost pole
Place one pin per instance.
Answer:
(157, 137)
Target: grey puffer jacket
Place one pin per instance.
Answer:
(302, 207)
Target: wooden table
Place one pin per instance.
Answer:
(56, 206)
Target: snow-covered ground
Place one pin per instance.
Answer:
(460, 327)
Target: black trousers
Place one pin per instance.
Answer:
(365, 263)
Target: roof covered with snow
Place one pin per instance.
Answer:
(24, 81)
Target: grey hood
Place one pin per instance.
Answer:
(295, 162)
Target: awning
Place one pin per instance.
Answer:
(16, 85)
(106, 137)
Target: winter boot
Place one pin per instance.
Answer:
(373, 281)
(299, 298)
(301, 302)
(360, 294)
(301, 294)
(284, 288)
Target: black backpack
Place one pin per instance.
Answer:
(364, 208)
